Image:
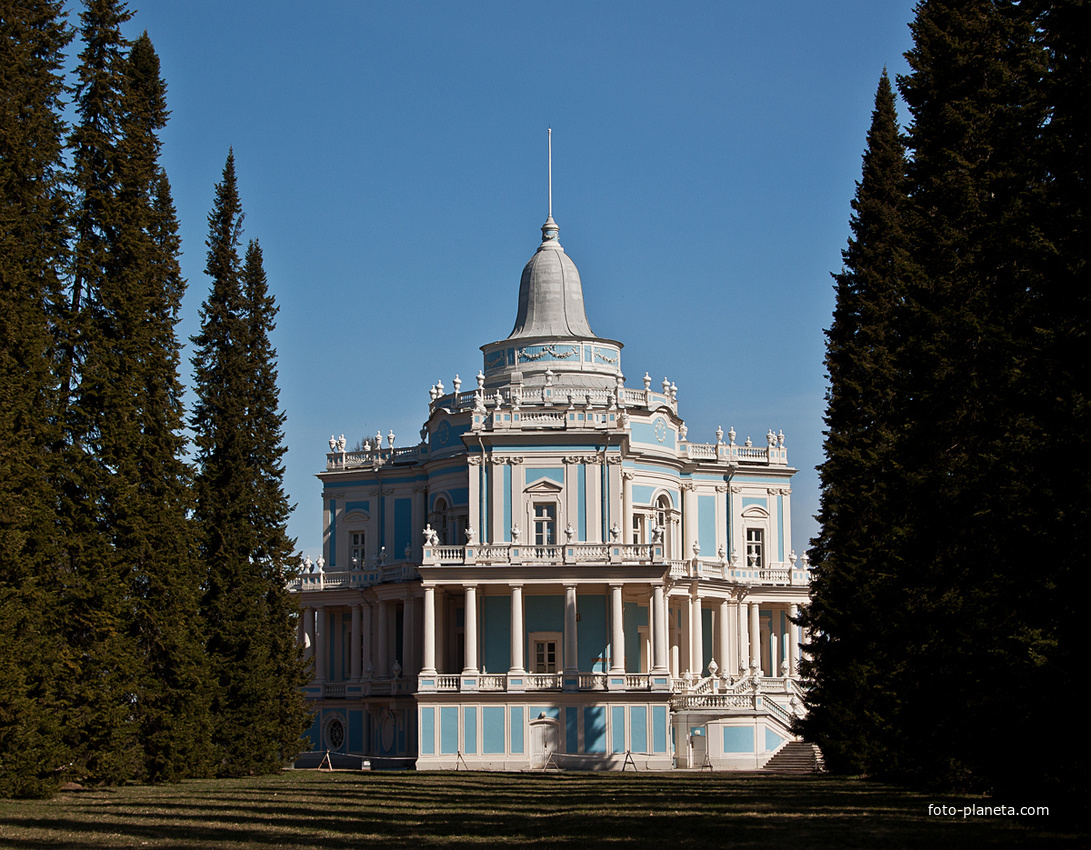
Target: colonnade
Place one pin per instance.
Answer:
(737, 636)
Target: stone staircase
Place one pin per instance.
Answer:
(795, 757)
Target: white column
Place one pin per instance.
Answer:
(742, 635)
(366, 654)
(626, 506)
(724, 623)
(320, 645)
(755, 640)
(429, 659)
(354, 653)
(382, 643)
(793, 641)
(617, 636)
(409, 637)
(659, 624)
(475, 519)
(571, 662)
(651, 631)
(689, 522)
(308, 632)
(470, 668)
(696, 635)
(516, 631)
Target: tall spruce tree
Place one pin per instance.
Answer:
(33, 249)
(274, 557)
(149, 523)
(972, 637)
(986, 499)
(136, 705)
(854, 598)
(101, 658)
(241, 511)
(1061, 383)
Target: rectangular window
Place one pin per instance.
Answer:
(545, 656)
(357, 554)
(637, 523)
(755, 556)
(545, 523)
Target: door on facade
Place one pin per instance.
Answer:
(698, 746)
(544, 735)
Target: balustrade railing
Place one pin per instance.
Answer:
(524, 553)
(373, 457)
(691, 701)
(543, 681)
(584, 552)
(592, 681)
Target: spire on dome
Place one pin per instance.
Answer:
(550, 292)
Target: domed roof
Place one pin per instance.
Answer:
(550, 293)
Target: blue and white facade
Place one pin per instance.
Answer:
(556, 574)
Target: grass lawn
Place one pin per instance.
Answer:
(405, 809)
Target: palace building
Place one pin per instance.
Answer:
(556, 575)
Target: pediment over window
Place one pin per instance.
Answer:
(542, 487)
(756, 512)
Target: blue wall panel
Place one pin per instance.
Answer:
(738, 739)
(571, 729)
(496, 634)
(403, 527)
(617, 728)
(594, 729)
(517, 728)
(448, 730)
(551, 473)
(772, 740)
(543, 614)
(638, 729)
(659, 728)
(706, 525)
(634, 616)
(428, 731)
(492, 731)
(642, 495)
(592, 642)
(469, 728)
(356, 731)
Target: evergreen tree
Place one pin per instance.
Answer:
(976, 183)
(136, 705)
(101, 663)
(33, 236)
(984, 512)
(274, 557)
(853, 595)
(150, 517)
(257, 704)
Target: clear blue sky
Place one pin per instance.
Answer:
(391, 158)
